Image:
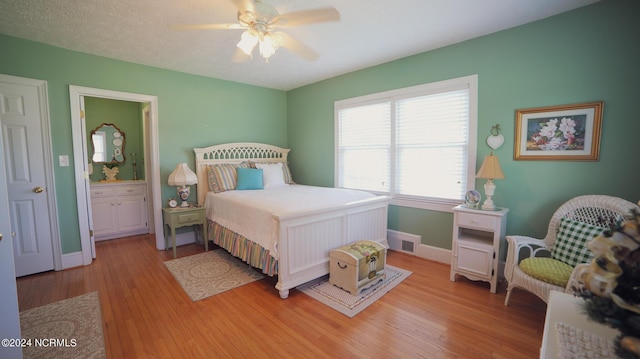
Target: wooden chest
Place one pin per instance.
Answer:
(357, 266)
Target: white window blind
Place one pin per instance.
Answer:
(431, 148)
(365, 147)
(416, 144)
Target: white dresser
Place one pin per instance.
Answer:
(119, 209)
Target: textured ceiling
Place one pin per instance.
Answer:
(369, 32)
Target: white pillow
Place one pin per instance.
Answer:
(272, 175)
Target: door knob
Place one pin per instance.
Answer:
(0, 236)
(38, 189)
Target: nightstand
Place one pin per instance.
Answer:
(476, 243)
(182, 217)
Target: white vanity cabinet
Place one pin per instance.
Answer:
(119, 209)
(476, 243)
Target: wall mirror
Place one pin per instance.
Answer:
(108, 144)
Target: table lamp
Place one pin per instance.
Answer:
(490, 170)
(182, 177)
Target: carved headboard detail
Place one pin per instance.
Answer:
(233, 153)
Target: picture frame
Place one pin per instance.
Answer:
(565, 132)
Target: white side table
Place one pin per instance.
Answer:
(476, 243)
(568, 309)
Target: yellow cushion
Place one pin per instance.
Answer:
(548, 270)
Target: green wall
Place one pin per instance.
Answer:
(125, 115)
(193, 111)
(588, 54)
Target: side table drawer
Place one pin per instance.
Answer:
(187, 218)
(476, 221)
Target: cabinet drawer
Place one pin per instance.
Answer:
(102, 192)
(130, 190)
(476, 221)
(186, 218)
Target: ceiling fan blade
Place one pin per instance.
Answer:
(245, 5)
(306, 17)
(298, 47)
(208, 27)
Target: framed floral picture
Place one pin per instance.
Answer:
(566, 132)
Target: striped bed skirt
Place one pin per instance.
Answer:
(239, 246)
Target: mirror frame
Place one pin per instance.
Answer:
(93, 146)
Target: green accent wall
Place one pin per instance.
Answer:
(126, 116)
(193, 111)
(589, 54)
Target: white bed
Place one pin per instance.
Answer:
(301, 236)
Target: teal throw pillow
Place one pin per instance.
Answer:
(570, 246)
(249, 178)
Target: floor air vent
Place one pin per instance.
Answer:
(407, 246)
(403, 242)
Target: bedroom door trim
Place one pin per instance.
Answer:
(76, 96)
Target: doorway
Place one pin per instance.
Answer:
(81, 163)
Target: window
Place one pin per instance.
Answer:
(417, 144)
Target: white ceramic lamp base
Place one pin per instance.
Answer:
(489, 189)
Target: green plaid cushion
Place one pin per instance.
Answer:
(570, 246)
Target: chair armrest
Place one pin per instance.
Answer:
(515, 253)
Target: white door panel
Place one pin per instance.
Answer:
(24, 160)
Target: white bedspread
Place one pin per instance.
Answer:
(254, 214)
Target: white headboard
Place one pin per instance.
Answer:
(233, 153)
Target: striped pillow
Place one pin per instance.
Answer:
(570, 246)
(223, 177)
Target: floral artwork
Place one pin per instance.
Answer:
(568, 132)
(556, 134)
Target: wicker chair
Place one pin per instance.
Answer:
(596, 210)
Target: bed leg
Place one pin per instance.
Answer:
(284, 293)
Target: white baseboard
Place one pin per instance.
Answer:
(435, 254)
(71, 260)
(411, 244)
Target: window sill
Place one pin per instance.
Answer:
(441, 206)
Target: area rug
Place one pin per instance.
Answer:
(70, 328)
(209, 273)
(347, 304)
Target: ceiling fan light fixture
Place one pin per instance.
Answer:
(269, 44)
(247, 42)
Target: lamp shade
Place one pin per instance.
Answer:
(182, 176)
(490, 168)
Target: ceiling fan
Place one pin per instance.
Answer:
(260, 22)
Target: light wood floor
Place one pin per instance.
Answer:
(147, 315)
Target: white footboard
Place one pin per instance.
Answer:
(306, 239)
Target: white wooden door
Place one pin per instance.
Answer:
(24, 154)
(87, 182)
(9, 314)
